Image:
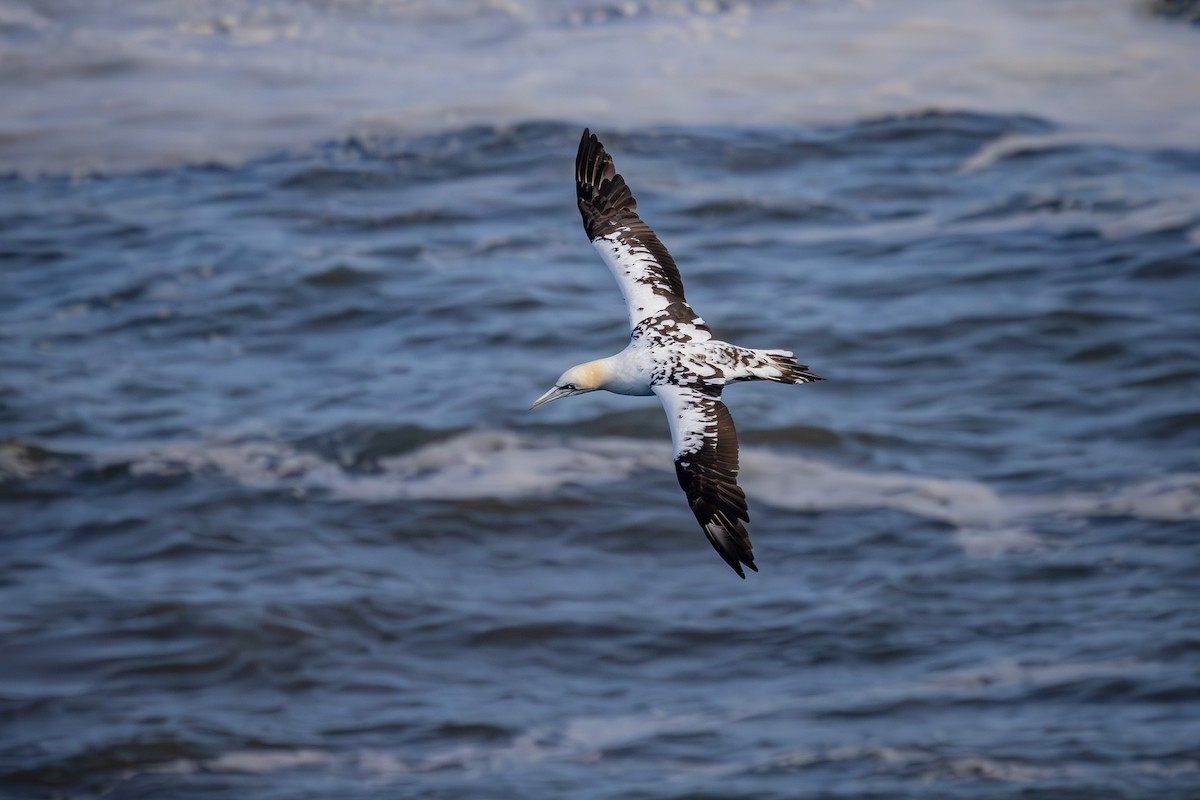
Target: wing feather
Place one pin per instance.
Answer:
(706, 463)
(645, 271)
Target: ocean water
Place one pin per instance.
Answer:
(281, 280)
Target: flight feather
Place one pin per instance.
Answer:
(706, 464)
(645, 271)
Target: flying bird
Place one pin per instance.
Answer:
(672, 354)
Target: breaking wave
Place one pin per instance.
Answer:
(508, 466)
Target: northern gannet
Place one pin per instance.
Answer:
(671, 353)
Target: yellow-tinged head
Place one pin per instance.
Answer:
(577, 380)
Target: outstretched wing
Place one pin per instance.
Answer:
(706, 463)
(644, 269)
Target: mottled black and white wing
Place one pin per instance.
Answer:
(644, 269)
(706, 463)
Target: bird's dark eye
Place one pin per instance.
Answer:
(570, 386)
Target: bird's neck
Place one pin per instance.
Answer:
(620, 374)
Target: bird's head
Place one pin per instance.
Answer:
(577, 380)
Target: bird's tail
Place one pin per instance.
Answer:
(781, 366)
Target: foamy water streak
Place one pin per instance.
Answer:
(488, 464)
(592, 738)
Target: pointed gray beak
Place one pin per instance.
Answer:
(553, 394)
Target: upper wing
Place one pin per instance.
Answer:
(644, 269)
(706, 463)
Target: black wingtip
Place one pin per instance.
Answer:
(738, 567)
(735, 562)
(605, 201)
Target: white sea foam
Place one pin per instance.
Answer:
(112, 85)
(20, 462)
(471, 466)
(380, 766)
(488, 464)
